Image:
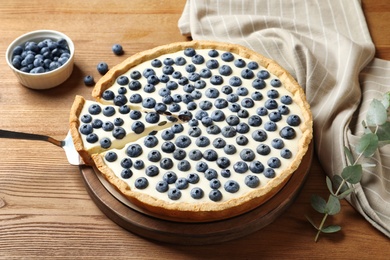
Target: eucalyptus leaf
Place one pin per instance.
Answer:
(383, 132)
(349, 155)
(352, 174)
(337, 181)
(331, 229)
(329, 184)
(332, 206)
(376, 113)
(318, 203)
(367, 144)
(386, 100)
(345, 194)
(368, 165)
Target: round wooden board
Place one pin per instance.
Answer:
(196, 233)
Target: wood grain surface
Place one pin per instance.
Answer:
(45, 209)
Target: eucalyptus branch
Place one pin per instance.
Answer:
(376, 118)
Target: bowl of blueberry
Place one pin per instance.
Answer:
(41, 59)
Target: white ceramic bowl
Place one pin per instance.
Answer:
(48, 79)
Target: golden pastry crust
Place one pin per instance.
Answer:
(208, 211)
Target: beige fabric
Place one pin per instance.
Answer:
(327, 47)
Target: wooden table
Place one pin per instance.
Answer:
(45, 210)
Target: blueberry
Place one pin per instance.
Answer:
(97, 123)
(194, 131)
(134, 150)
(242, 91)
(167, 99)
(122, 91)
(277, 143)
(193, 122)
(197, 193)
(263, 149)
(235, 81)
(227, 56)
(207, 121)
(193, 76)
(219, 143)
(139, 164)
(254, 120)
(162, 186)
(240, 167)
(258, 84)
(270, 126)
(89, 80)
(286, 99)
(135, 114)
(228, 131)
(156, 63)
(152, 118)
(135, 75)
(190, 68)
(269, 173)
(223, 162)
(213, 130)
(213, 53)
(242, 128)
(247, 155)
(94, 109)
(176, 75)
(201, 166)
(135, 85)
(138, 127)
(111, 156)
(180, 61)
(109, 111)
(169, 61)
(174, 194)
(149, 88)
(212, 93)
(205, 73)
(216, 80)
(233, 120)
(215, 184)
(164, 78)
(148, 72)
(247, 74)
(225, 70)
(170, 177)
(189, 52)
(135, 98)
(257, 96)
(274, 162)
(92, 138)
(108, 126)
(102, 68)
(283, 109)
(232, 97)
(202, 141)
(263, 74)
(86, 129)
(126, 163)
(205, 105)
(239, 63)
(256, 167)
(275, 116)
(293, 120)
(242, 140)
(160, 107)
(141, 183)
(287, 133)
(120, 100)
(122, 80)
(187, 98)
(152, 170)
(150, 141)
(167, 134)
(195, 155)
(220, 103)
(230, 149)
(126, 173)
(200, 84)
(210, 155)
(231, 186)
(179, 154)
(148, 102)
(196, 94)
(119, 132)
(215, 195)
(261, 111)
(276, 83)
(271, 104)
(286, 153)
(197, 59)
(193, 178)
(105, 143)
(225, 173)
(183, 81)
(168, 147)
(86, 118)
(272, 93)
(184, 165)
(252, 181)
(253, 65)
(181, 183)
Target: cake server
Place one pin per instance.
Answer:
(67, 144)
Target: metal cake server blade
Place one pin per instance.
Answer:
(67, 144)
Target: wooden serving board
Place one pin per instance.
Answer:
(183, 233)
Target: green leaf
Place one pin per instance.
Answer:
(367, 144)
(337, 180)
(331, 229)
(329, 184)
(386, 100)
(318, 203)
(349, 155)
(376, 113)
(383, 132)
(352, 174)
(345, 193)
(332, 206)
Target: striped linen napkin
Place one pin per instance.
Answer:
(327, 47)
